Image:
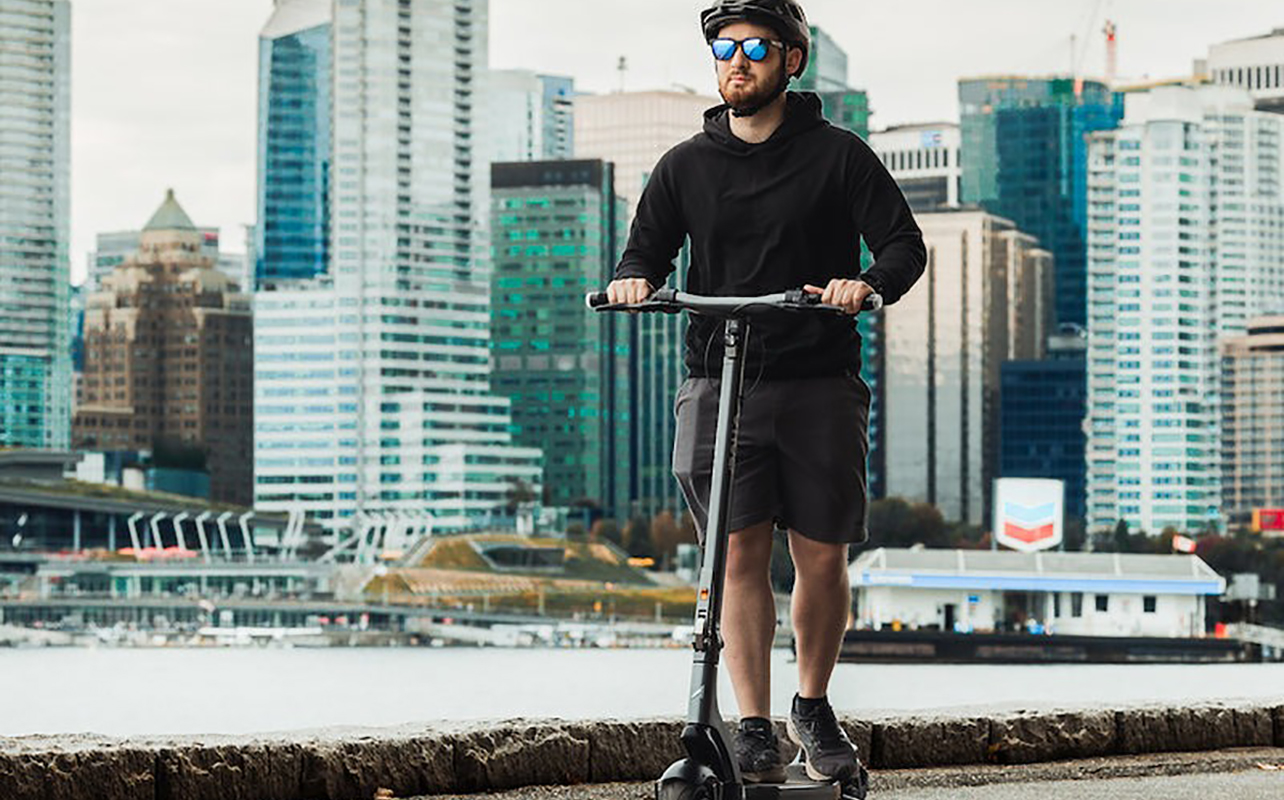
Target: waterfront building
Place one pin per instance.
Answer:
(924, 160)
(1023, 157)
(372, 360)
(532, 116)
(1041, 409)
(984, 298)
(35, 271)
(1185, 212)
(168, 359)
(1085, 594)
(1252, 445)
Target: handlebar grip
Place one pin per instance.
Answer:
(595, 299)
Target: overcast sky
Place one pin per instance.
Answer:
(164, 92)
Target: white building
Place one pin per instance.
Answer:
(924, 160)
(1184, 246)
(35, 211)
(984, 298)
(1255, 64)
(633, 129)
(372, 389)
(531, 116)
(1087, 594)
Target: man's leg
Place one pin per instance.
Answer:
(821, 602)
(749, 619)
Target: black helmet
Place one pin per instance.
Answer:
(785, 17)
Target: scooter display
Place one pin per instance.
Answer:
(710, 770)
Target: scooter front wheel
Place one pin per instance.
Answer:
(683, 790)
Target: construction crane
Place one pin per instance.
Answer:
(1112, 52)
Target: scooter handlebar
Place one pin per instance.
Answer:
(670, 300)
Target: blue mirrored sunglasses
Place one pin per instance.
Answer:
(755, 49)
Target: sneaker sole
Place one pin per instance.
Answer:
(812, 772)
(773, 776)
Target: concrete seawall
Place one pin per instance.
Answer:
(353, 763)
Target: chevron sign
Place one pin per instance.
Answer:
(1028, 513)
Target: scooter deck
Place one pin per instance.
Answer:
(797, 786)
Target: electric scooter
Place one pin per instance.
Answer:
(710, 771)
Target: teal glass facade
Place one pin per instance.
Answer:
(1024, 157)
(557, 231)
(24, 385)
(294, 155)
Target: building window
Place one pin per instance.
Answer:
(1076, 604)
(1148, 603)
(1103, 603)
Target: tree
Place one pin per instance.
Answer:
(894, 522)
(518, 493)
(606, 529)
(1121, 536)
(665, 537)
(637, 538)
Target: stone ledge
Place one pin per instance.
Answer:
(352, 764)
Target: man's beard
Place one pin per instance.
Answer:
(750, 97)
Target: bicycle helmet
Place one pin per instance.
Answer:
(785, 17)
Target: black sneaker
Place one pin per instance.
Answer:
(829, 753)
(758, 751)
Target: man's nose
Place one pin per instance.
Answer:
(738, 58)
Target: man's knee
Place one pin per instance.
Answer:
(749, 552)
(823, 559)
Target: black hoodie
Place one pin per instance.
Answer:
(773, 216)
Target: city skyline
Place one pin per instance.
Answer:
(123, 153)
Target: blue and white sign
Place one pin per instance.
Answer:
(1028, 513)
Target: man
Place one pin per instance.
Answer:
(773, 198)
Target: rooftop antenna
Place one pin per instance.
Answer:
(622, 67)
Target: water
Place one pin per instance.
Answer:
(198, 691)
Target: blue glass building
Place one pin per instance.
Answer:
(1024, 157)
(294, 143)
(1042, 407)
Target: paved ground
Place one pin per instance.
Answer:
(1240, 774)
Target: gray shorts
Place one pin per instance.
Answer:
(800, 457)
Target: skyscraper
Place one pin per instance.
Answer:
(1184, 247)
(372, 375)
(632, 130)
(294, 153)
(35, 273)
(168, 362)
(924, 160)
(112, 249)
(984, 298)
(1042, 408)
(531, 116)
(1024, 158)
(1252, 385)
(559, 231)
(1256, 64)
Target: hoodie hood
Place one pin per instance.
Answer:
(802, 114)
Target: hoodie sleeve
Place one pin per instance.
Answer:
(884, 220)
(658, 229)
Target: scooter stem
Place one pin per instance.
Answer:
(706, 737)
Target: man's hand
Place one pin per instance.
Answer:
(848, 293)
(628, 290)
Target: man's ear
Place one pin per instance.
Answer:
(793, 59)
